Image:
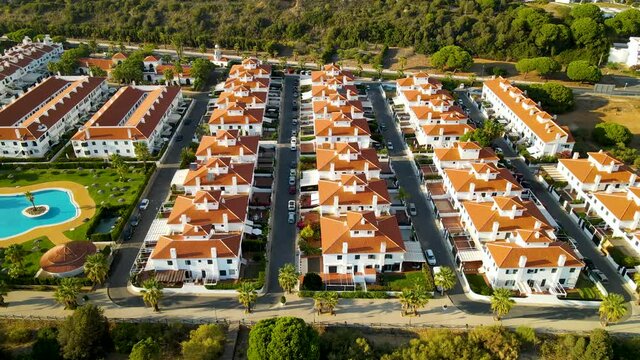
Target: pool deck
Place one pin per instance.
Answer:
(54, 232)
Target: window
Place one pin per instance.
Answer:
(532, 271)
(187, 262)
(169, 262)
(554, 270)
(210, 262)
(357, 257)
(562, 281)
(572, 270)
(509, 283)
(371, 257)
(229, 261)
(388, 256)
(339, 257)
(223, 272)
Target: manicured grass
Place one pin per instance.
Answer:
(105, 180)
(399, 281)
(32, 259)
(585, 290)
(478, 285)
(622, 258)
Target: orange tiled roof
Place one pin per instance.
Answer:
(483, 215)
(507, 255)
(243, 172)
(226, 245)
(447, 130)
(248, 144)
(336, 231)
(234, 206)
(324, 157)
(461, 179)
(621, 205)
(328, 189)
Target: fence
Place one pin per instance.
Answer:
(143, 320)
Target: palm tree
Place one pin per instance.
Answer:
(318, 302)
(96, 268)
(67, 293)
(446, 279)
(118, 164)
(247, 295)
(420, 298)
(168, 76)
(501, 303)
(612, 309)
(15, 254)
(142, 152)
(405, 300)
(288, 277)
(403, 194)
(4, 290)
(331, 301)
(152, 293)
(636, 278)
(31, 199)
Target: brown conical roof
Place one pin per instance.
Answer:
(67, 257)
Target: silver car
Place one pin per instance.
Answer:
(431, 258)
(291, 218)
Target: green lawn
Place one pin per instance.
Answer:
(399, 281)
(585, 290)
(478, 285)
(622, 258)
(103, 185)
(32, 260)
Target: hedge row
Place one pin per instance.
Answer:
(350, 294)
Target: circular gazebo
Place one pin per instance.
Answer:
(66, 260)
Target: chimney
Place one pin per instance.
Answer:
(537, 224)
(472, 188)
(345, 247)
(374, 204)
(336, 202)
(17, 133)
(208, 153)
(128, 133)
(494, 229)
(507, 191)
(597, 180)
(576, 155)
(173, 252)
(225, 221)
(214, 253)
(636, 220)
(183, 219)
(562, 259)
(522, 262)
(383, 247)
(632, 179)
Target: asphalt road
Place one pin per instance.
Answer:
(282, 236)
(429, 235)
(158, 189)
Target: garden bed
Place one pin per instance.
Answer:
(585, 290)
(478, 285)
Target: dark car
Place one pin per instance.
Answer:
(292, 190)
(179, 138)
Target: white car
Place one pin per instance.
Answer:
(291, 218)
(144, 204)
(294, 144)
(389, 145)
(412, 209)
(431, 258)
(292, 172)
(291, 205)
(292, 180)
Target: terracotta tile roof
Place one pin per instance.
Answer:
(336, 231)
(116, 121)
(586, 171)
(461, 179)
(410, 80)
(234, 206)
(453, 115)
(351, 106)
(540, 122)
(55, 98)
(243, 172)
(259, 97)
(257, 83)
(621, 205)
(186, 70)
(322, 127)
(328, 189)
(324, 158)
(217, 145)
(150, 58)
(453, 153)
(507, 255)
(604, 158)
(447, 130)
(533, 236)
(104, 64)
(226, 245)
(236, 113)
(119, 56)
(484, 214)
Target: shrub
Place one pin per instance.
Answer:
(46, 346)
(312, 281)
(608, 134)
(19, 335)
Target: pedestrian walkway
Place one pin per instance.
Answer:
(439, 312)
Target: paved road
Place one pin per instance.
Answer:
(282, 241)
(429, 235)
(158, 191)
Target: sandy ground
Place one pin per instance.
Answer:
(592, 110)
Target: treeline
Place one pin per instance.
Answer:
(495, 29)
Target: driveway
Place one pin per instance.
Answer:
(158, 189)
(429, 235)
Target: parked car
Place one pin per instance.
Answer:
(291, 218)
(431, 258)
(292, 180)
(412, 209)
(294, 121)
(144, 204)
(291, 205)
(294, 143)
(293, 132)
(389, 145)
(293, 164)
(292, 172)
(292, 190)
(383, 127)
(499, 150)
(135, 221)
(600, 276)
(588, 263)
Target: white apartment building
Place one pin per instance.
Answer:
(481, 182)
(347, 158)
(352, 193)
(341, 127)
(598, 172)
(535, 126)
(155, 68)
(461, 155)
(531, 262)
(237, 116)
(361, 245)
(135, 114)
(229, 144)
(620, 211)
(33, 123)
(219, 174)
(250, 69)
(26, 58)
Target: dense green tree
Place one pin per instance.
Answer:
(259, 339)
(608, 134)
(84, 334)
(46, 346)
(4, 291)
(583, 71)
(142, 152)
(554, 97)
(552, 37)
(187, 156)
(452, 57)
(14, 260)
(312, 281)
(625, 23)
(201, 70)
(600, 346)
(288, 277)
(590, 11)
(282, 338)
(205, 343)
(588, 33)
(525, 66)
(484, 135)
(96, 71)
(129, 70)
(497, 340)
(147, 349)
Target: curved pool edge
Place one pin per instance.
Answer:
(80, 198)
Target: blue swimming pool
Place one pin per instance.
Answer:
(12, 222)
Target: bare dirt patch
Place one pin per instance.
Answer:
(592, 110)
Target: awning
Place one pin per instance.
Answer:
(170, 276)
(470, 255)
(414, 252)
